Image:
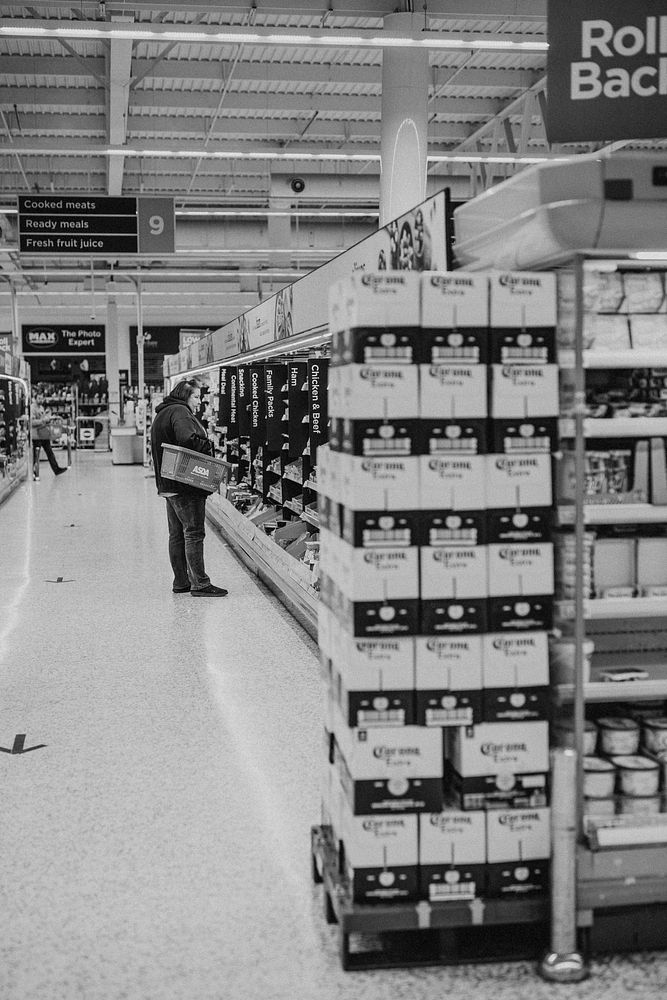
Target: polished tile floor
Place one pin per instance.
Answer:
(157, 846)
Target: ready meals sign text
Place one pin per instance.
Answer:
(606, 70)
(74, 339)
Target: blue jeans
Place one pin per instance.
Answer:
(186, 516)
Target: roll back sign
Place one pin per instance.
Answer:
(606, 70)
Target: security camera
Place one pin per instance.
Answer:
(297, 185)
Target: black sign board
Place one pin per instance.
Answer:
(297, 395)
(243, 400)
(233, 425)
(257, 408)
(224, 402)
(275, 400)
(75, 338)
(318, 384)
(607, 70)
(79, 224)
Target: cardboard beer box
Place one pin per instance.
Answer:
(448, 680)
(518, 481)
(454, 437)
(376, 483)
(455, 317)
(515, 671)
(499, 764)
(453, 571)
(452, 855)
(390, 770)
(377, 574)
(453, 481)
(375, 437)
(380, 856)
(517, 346)
(520, 568)
(385, 299)
(358, 656)
(453, 528)
(523, 435)
(520, 613)
(376, 346)
(373, 529)
(522, 300)
(519, 525)
(375, 619)
(376, 680)
(453, 616)
(370, 390)
(524, 391)
(456, 390)
(518, 851)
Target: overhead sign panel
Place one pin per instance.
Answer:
(87, 338)
(75, 224)
(606, 70)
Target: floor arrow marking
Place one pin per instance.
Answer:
(20, 747)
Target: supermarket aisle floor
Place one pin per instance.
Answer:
(157, 846)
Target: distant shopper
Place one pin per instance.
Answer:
(175, 423)
(40, 423)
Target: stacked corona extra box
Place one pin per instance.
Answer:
(437, 581)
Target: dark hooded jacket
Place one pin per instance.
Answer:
(175, 423)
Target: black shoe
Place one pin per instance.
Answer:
(209, 591)
(181, 590)
(59, 471)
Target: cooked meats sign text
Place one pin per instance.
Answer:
(606, 70)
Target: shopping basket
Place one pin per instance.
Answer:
(193, 468)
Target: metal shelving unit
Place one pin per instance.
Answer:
(617, 864)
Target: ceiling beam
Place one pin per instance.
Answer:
(199, 104)
(118, 95)
(266, 73)
(524, 10)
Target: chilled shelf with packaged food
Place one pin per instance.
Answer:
(14, 424)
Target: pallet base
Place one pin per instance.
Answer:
(420, 933)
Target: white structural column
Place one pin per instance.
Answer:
(112, 357)
(404, 122)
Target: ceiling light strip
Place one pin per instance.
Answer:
(238, 154)
(16, 28)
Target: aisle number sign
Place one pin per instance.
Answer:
(606, 70)
(82, 224)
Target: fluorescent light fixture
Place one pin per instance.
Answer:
(239, 154)
(120, 273)
(262, 213)
(329, 38)
(657, 255)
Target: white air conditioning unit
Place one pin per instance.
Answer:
(604, 204)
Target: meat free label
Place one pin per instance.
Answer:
(606, 69)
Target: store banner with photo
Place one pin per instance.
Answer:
(416, 241)
(160, 341)
(606, 70)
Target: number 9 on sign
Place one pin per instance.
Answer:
(156, 225)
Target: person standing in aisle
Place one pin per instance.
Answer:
(175, 423)
(40, 424)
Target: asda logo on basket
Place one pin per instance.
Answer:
(199, 470)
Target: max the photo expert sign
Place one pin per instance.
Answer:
(74, 339)
(606, 70)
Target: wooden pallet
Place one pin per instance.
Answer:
(419, 933)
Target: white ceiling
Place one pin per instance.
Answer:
(66, 101)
